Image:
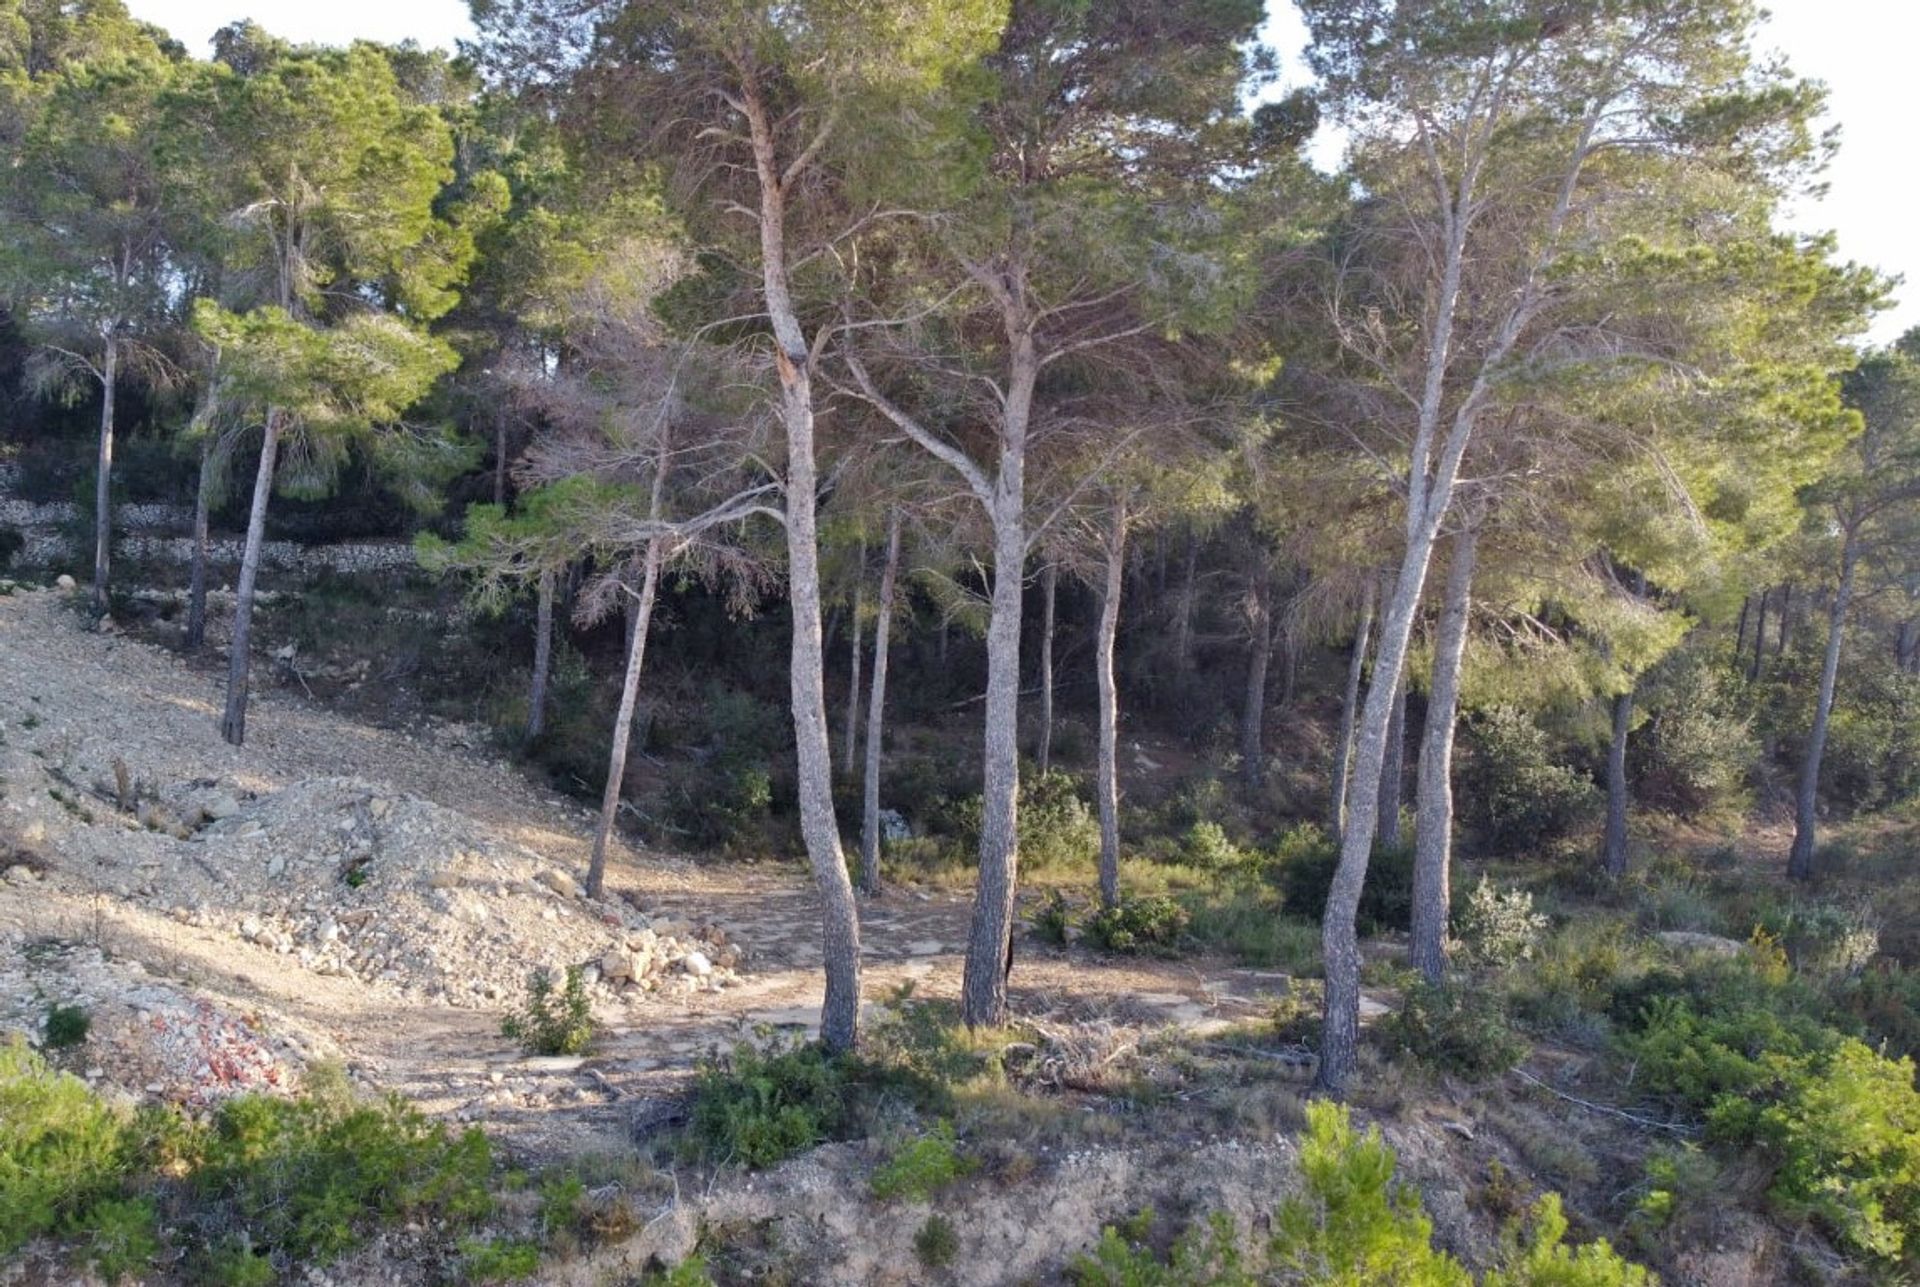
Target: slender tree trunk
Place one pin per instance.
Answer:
(1613, 853)
(1049, 594)
(1740, 631)
(1759, 638)
(850, 751)
(1343, 744)
(1393, 774)
(983, 994)
(1289, 661)
(103, 479)
(1183, 608)
(500, 457)
(1906, 650)
(1108, 783)
(1786, 619)
(1253, 703)
(840, 919)
(1806, 805)
(876, 714)
(641, 623)
(1433, 825)
(233, 724)
(197, 575)
(542, 658)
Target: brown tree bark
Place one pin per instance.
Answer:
(1253, 702)
(233, 723)
(1107, 776)
(1806, 804)
(196, 636)
(1759, 637)
(850, 750)
(1343, 744)
(1183, 607)
(1433, 825)
(542, 659)
(876, 714)
(642, 622)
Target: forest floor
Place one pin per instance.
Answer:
(374, 895)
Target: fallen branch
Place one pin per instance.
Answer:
(1646, 1123)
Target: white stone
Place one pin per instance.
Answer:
(697, 964)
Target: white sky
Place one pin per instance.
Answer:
(1862, 49)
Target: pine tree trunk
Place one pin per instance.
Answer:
(1613, 855)
(983, 986)
(1393, 774)
(1108, 776)
(1343, 745)
(876, 714)
(197, 575)
(1253, 703)
(103, 479)
(500, 457)
(1183, 608)
(233, 724)
(542, 659)
(1740, 631)
(1786, 619)
(1806, 805)
(840, 920)
(1049, 593)
(850, 750)
(1759, 638)
(1906, 650)
(641, 623)
(1433, 825)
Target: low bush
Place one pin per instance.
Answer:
(1150, 923)
(935, 1243)
(922, 1166)
(66, 1026)
(1250, 924)
(1697, 750)
(761, 1106)
(1513, 792)
(61, 1149)
(1459, 1030)
(1305, 868)
(550, 1022)
(1499, 928)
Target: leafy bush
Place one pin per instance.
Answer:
(550, 1023)
(61, 1148)
(1514, 793)
(1695, 754)
(922, 1166)
(1251, 925)
(1848, 1136)
(305, 1176)
(1498, 927)
(1828, 938)
(1462, 1030)
(1138, 923)
(492, 1260)
(1058, 831)
(935, 1243)
(1305, 870)
(759, 1107)
(1054, 921)
(122, 1236)
(1539, 1257)
(1206, 1255)
(1207, 847)
(1351, 1223)
(66, 1026)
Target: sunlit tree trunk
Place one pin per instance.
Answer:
(233, 724)
(1049, 592)
(640, 623)
(1393, 774)
(1433, 824)
(876, 714)
(1253, 701)
(1107, 783)
(542, 658)
(1343, 744)
(1806, 803)
(196, 636)
(103, 478)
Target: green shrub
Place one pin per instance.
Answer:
(66, 1026)
(935, 1243)
(1513, 792)
(1718, 1064)
(1305, 873)
(1351, 1223)
(1054, 921)
(121, 1236)
(1138, 923)
(1539, 1257)
(552, 1023)
(1251, 925)
(1697, 749)
(1207, 847)
(1499, 928)
(307, 1176)
(759, 1107)
(1207, 1254)
(61, 1148)
(1058, 831)
(922, 1166)
(1461, 1030)
(1848, 1136)
(1885, 1003)
(492, 1260)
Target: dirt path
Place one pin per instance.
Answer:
(73, 703)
